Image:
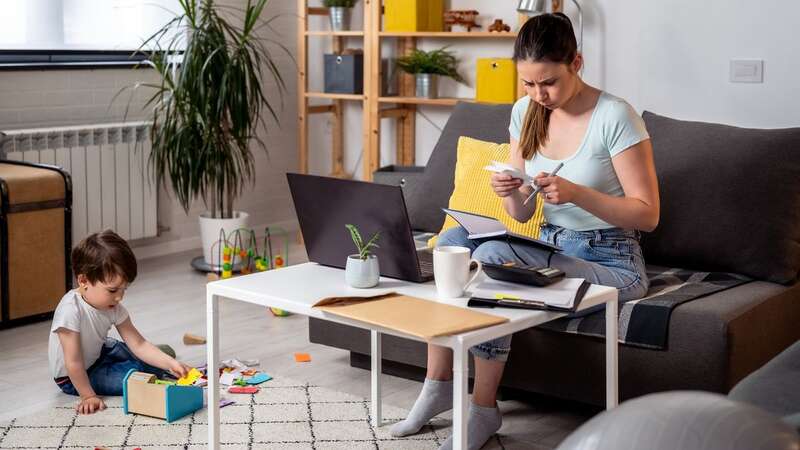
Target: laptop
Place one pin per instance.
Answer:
(324, 205)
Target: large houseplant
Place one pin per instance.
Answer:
(207, 107)
(428, 66)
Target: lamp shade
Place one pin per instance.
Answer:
(531, 7)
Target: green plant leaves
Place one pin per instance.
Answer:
(362, 248)
(439, 62)
(207, 108)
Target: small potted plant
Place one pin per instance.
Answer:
(362, 269)
(339, 13)
(427, 66)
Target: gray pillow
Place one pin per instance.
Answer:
(432, 191)
(730, 198)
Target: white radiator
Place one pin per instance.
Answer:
(110, 188)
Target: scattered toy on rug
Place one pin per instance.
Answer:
(193, 339)
(302, 357)
(243, 389)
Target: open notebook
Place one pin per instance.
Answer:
(484, 227)
(567, 295)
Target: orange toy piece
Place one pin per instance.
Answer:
(302, 357)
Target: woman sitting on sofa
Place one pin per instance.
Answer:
(605, 192)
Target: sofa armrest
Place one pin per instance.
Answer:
(398, 175)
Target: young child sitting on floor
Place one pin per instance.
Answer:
(83, 359)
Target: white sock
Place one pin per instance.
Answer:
(482, 424)
(435, 398)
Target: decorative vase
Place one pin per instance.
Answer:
(427, 85)
(362, 273)
(340, 18)
(209, 234)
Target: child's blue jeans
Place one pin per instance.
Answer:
(610, 257)
(108, 372)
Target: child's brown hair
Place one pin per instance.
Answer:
(101, 256)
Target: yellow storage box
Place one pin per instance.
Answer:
(496, 80)
(413, 15)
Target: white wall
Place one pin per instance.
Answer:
(45, 98)
(669, 57)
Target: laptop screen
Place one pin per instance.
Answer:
(324, 205)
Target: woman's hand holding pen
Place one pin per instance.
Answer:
(504, 184)
(554, 189)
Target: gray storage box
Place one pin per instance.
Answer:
(344, 74)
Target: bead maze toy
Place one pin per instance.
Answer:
(239, 252)
(240, 249)
(141, 394)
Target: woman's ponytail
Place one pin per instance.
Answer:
(534, 129)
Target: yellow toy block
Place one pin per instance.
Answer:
(190, 378)
(496, 80)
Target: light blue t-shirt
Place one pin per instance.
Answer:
(613, 127)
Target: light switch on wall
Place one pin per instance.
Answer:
(747, 71)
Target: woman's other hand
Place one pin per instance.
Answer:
(555, 190)
(504, 185)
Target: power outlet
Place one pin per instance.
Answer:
(747, 71)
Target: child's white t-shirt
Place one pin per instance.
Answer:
(75, 314)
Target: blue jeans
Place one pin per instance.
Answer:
(610, 257)
(108, 372)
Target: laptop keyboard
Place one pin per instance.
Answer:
(425, 257)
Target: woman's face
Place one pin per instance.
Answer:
(547, 83)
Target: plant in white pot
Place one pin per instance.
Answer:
(362, 270)
(339, 13)
(207, 108)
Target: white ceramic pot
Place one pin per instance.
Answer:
(362, 273)
(209, 233)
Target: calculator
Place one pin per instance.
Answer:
(531, 275)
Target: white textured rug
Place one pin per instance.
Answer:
(283, 415)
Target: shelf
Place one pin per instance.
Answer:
(424, 101)
(334, 96)
(449, 34)
(334, 33)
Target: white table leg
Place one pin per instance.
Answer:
(460, 396)
(212, 349)
(375, 338)
(612, 358)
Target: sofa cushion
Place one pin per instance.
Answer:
(473, 191)
(730, 198)
(479, 121)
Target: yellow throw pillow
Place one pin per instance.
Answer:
(473, 193)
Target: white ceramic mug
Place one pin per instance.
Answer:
(451, 270)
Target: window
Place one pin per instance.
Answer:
(79, 32)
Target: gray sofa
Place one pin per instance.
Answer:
(730, 202)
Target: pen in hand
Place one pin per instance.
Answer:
(538, 188)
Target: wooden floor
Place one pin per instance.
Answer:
(168, 299)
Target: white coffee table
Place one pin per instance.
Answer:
(297, 288)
